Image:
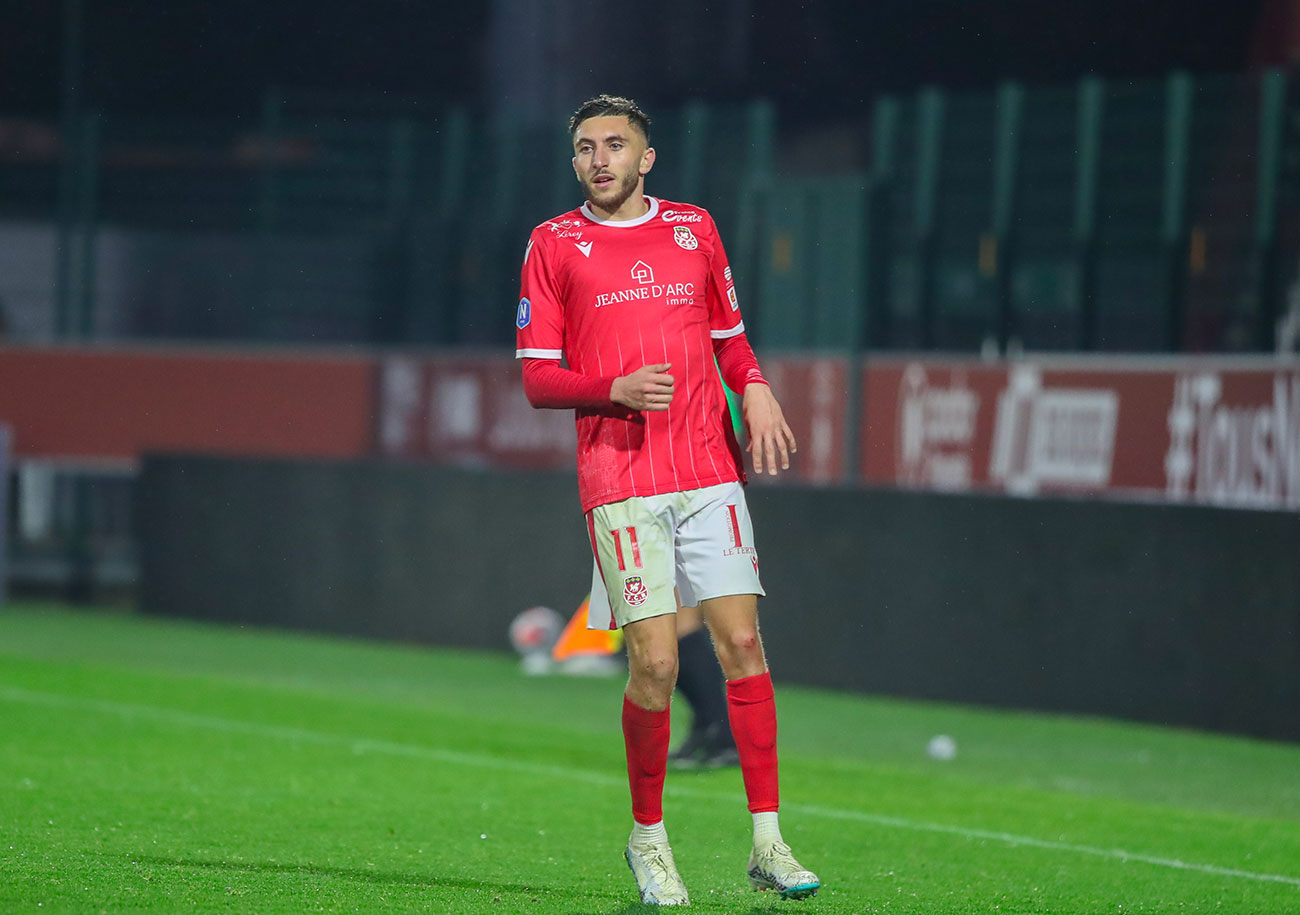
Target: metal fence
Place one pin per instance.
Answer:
(1157, 215)
(1146, 216)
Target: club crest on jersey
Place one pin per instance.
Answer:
(635, 592)
(525, 313)
(685, 238)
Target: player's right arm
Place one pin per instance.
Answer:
(548, 385)
(539, 338)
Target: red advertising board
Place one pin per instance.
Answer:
(115, 403)
(1206, 431)
(468, 410)
(813, 391)
(472, 409)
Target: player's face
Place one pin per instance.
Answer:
(610, 159)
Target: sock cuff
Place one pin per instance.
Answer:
(644, 717)
(751, 690)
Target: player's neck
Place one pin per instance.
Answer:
(634, 207)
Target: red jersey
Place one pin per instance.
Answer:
(610, 297)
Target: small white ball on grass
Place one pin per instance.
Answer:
(941, 746)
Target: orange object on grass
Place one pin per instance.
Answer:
(577, 639)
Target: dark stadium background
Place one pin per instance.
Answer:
(1020, 271)
(815, 58)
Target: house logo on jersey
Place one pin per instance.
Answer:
(685, 238)
(635, 592)
(647, 289)
(584, 247)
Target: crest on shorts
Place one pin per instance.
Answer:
(684, 238)
(635, 592)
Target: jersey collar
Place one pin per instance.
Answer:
(623, 223)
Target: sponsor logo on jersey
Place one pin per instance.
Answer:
(671, 293)
(642, 273)
(559, 225)
(731, 297)
(584, 247)
(566, 228)
(525, 313)
(635, 592)
(682, 235)
(680, 216)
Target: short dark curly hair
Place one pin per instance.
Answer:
(607, 106)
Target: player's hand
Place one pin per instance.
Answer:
(769, 436)
(648, 388)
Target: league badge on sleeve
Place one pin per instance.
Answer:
(684, 238)
(525, 313)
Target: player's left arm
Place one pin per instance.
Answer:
(770, 440)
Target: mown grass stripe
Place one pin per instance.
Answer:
(368, 745)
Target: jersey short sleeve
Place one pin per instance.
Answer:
(539, 318)
(724, 306)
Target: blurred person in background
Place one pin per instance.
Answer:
(636, 295)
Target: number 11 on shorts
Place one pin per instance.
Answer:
(618, 547)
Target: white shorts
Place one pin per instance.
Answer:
(700, 541)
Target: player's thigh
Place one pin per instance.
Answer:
(651, 647)
(715, 544)
(601, 616)
(633, 544)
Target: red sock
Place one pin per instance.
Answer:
(645, 733)
(751, 706)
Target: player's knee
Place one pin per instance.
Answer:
(743, 641)
(654, 667)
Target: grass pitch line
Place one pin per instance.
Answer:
(367, 745)
(1118, 854)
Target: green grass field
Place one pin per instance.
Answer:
(154, 765)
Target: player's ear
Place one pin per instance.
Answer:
(576, 173)
(647, 160)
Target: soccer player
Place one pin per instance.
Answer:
(635, 293)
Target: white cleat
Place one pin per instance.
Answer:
(656, 874)
(772, 867)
